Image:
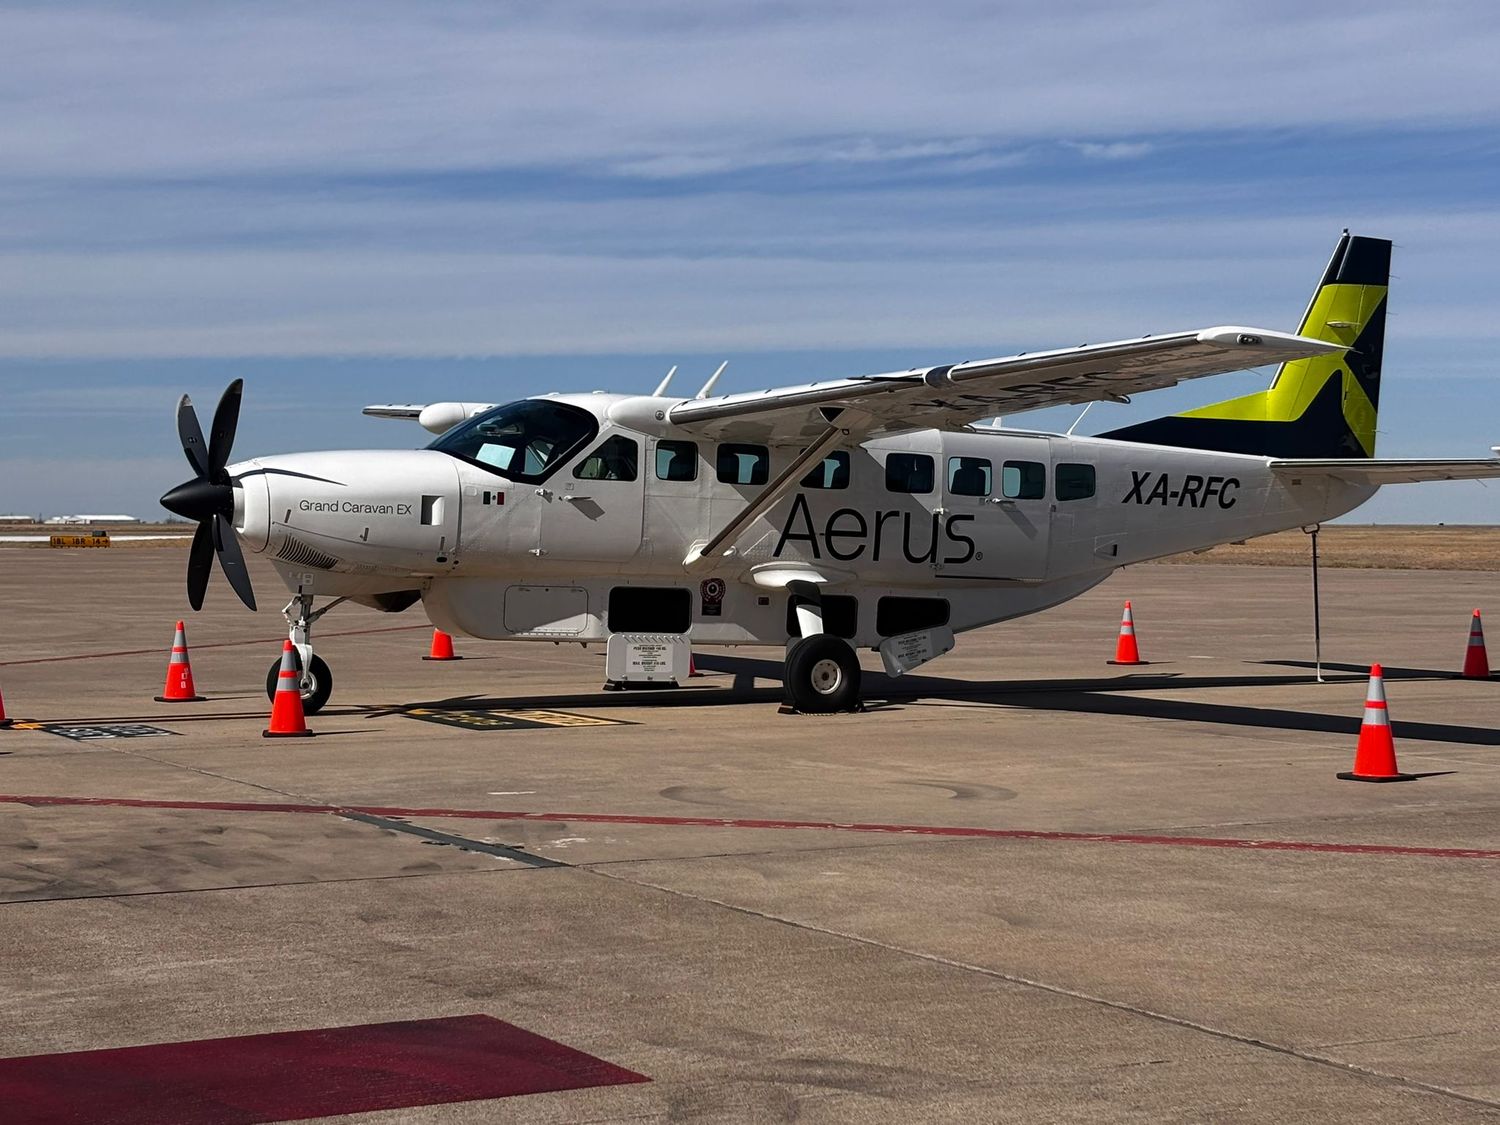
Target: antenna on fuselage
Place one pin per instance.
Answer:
(661, 388)
(712, 379)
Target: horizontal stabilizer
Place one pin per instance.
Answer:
(1412, 471)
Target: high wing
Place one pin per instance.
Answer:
(435, 417)
(951, 396)
(1361, 471)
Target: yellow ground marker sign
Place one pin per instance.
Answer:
(87, 539)
(511, 720)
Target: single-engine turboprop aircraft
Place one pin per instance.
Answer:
(863, 512)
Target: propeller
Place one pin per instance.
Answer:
(208, 499)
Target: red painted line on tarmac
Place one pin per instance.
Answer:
(218, 644)
(740, 822)
(295, 1075)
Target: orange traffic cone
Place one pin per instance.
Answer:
(287, 719)
(179, 687)
(442, 647)
(1375, 756)
(1476, 660)
(1126, 651)
(693, 672)
(4, 722)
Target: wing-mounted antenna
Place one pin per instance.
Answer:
(661, 388)
(712, 379)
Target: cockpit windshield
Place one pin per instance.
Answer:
(523, 441)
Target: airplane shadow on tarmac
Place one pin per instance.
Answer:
(1115, 695)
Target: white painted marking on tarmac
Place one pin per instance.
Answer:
(510, 793)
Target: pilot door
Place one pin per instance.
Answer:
(592, 510)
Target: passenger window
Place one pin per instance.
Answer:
(744, 464)
(1073, 482)
(908, 472)
(1023, 480)
(831, 472)
(677, 460)
(615, 459)
(969, 476)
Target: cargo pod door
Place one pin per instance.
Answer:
(995, 494)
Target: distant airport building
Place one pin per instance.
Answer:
(19, 519)
(86, 518)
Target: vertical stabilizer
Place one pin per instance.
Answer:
(1319, 407)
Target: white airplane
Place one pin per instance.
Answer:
(869, 512)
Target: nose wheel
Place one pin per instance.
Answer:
(317, 682)
(822, 675)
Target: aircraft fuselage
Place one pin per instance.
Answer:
(994, 523)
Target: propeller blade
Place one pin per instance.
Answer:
(192, 436)
(232, 560)
(226, 420)
(200, 564)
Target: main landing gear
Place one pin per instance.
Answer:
(822, 675)
(317, 679)
(822, 672)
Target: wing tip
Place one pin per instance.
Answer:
(1243, 336)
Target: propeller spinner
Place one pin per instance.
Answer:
(208, 499)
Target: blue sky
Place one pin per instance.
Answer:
(350, 203)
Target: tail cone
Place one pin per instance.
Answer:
(1476, 660)
(442, 647)
(1375, 756)
(287, 719)
(179, 687)
(1126, 651)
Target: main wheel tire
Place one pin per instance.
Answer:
(822, 675)
(314, 694)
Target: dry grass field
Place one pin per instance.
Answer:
(185, 530)
(1380, 546)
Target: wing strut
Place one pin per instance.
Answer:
(721, 545)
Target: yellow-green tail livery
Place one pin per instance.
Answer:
(1322, 407)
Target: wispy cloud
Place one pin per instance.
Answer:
(879, 181)
(183, 90)
(1111, 150)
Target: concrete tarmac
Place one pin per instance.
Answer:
(759, 912)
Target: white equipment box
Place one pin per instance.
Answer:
(647, 658)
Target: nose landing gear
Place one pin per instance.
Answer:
(317, 682)
(317, 679)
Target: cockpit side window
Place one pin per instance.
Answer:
(524, 441)
(615, 459)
